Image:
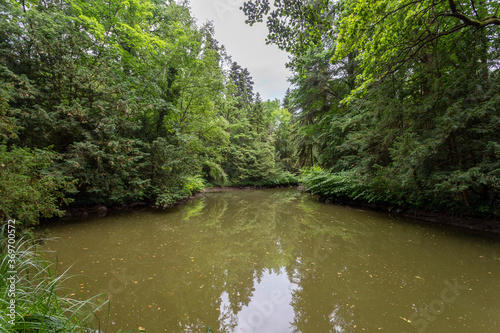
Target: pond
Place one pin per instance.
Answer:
(277, 260)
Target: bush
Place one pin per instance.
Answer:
(193, 185)
(29, 188)
(284, 178)
(342, 185)
(280, 178)
(380, 189)
(170, 195)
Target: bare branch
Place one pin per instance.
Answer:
(453, 6)
(492, 20)
(474, 8)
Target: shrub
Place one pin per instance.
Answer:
(30, 190)
(342, 185)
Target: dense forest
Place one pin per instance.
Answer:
(397, 102)
(114, 102)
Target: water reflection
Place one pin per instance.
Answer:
(279, 261)
(272, 296)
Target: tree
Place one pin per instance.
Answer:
(294, 25)
(244, 85)
(129, 100)
(396, 98)
(392, 33)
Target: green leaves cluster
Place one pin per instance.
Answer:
(30, 188)
(259, 154)
(401, 94)
(113, 102)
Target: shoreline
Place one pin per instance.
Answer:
(473, 225)
(100, 210)
(478, 226)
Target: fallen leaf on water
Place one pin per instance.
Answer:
(142, 329)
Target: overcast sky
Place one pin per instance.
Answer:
(246, 45)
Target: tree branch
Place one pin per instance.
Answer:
(479, 23)
(491, 20)
(453, 6)
(474, 8)
(419, 45)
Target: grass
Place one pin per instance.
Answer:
(33, 296)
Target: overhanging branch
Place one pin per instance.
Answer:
(479, 23)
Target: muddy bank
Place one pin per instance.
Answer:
(100, 210)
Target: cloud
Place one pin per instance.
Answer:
(246, 45)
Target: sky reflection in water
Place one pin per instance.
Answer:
(279, 261)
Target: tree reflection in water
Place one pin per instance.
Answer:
(279, 261)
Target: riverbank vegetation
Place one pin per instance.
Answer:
(397, 102)
(118, 102)
(115, 102)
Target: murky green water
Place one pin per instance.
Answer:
(279, 261)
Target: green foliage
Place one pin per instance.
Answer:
(399, 99)
(283, 178)
(30, 188)
(259, 153)
(133, 99)
(215, 173)
(341, 185)
(294, 25)
(41, 300)
(168, 196)
(109, 172)
(193, 185)
(391, 33)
